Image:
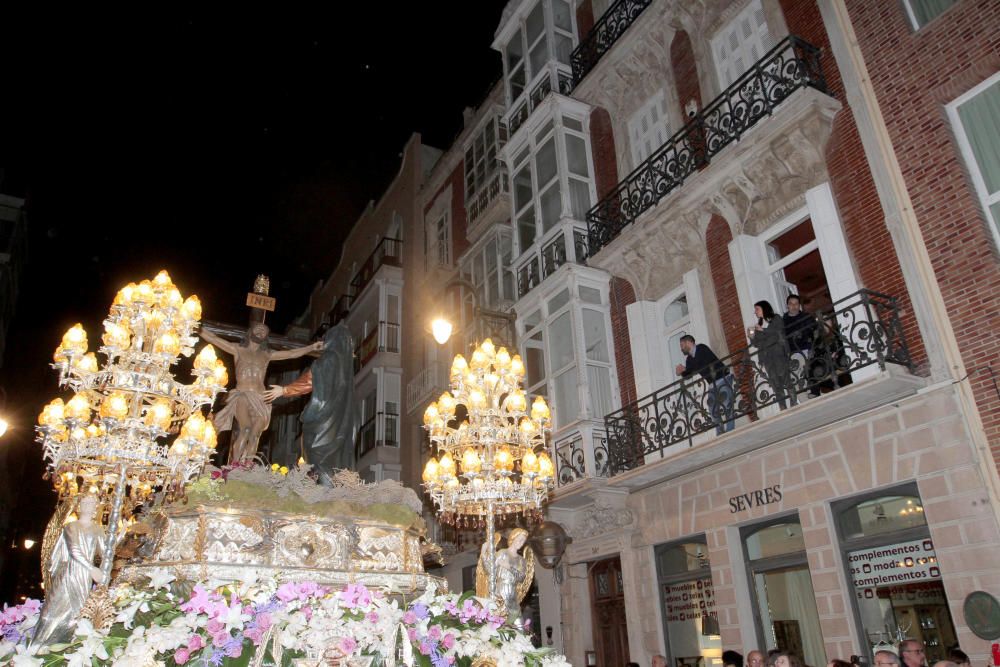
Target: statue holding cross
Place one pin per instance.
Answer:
(249, 404)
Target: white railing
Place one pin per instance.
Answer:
(425, 384)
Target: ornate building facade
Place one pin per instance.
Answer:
(649, 170)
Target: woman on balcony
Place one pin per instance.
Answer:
(773, 354)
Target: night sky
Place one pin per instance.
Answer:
(215, 145)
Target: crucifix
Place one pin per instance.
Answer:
(247, 409)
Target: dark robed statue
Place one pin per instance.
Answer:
(328, 419)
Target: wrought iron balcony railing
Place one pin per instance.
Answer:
(575, 459)
(612, 25)
(388, 252)
(384, 338)
(860, 331)
(380, 430)
(481, 202)
(553, 75)
(556, 252)
(790, 65)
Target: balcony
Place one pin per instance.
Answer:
(384, 338)
(493, 196)
(555, 76)
(582, 455)
(612, 25)
(380, 430)
(429, 382)
(340, 309)
(791, 65)
(859, 342)
(389, 252)
(567, 246)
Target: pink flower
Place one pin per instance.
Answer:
(264, 622)
(195, 643)
(412, 634)
(347, 645)
(451, 660)
(214, 627)
(409, 618)
(181, 656)
(287, 592)
(425, 648)
(201, 600)
(255, 635)
(435, 632)
(220, 638)
(448, 641)
(234, 650)
(307, 612)
(372, 617)
(355, 595)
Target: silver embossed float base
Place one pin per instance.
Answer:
(232, 544)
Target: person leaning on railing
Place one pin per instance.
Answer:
(768, 336)
(800, 329)
(699, 358)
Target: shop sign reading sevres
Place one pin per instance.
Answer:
(901, 563)
(758, 498)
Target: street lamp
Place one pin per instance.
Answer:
(487, 321)
(28, 543)
(440, 328)
(3, 426)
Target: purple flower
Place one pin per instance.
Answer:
(420, 609)
(216, 658)
(439, 660)
(426, 647)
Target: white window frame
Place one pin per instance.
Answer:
(911, 15)
(655, 135)
(554, 125)
(437, 228)
(986, 199)
(574, 307)
(549, 34)
(763, 38)
(482, 167)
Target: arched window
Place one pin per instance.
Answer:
(687, 602)
(893, 570)
(784, 601)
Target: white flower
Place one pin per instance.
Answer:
(22, 658)
(160, 579)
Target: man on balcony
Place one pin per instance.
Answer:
(700, 359)
(800, 330)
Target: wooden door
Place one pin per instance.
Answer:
(607, 609)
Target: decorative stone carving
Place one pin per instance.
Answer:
(602, 518)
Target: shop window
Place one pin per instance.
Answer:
(781, 587)
(687, 599)
(893, 570)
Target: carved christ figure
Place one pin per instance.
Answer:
(249, 404)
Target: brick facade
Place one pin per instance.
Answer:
(685, 70)
(915, 74)
(717, 240)
(584, 19)
(459, 226)
(853, 184)
(602, 145)
(622, 295)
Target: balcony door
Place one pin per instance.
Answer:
(607, 609)
(741, 43)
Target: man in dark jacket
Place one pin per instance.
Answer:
(800, 330)
(699, 358)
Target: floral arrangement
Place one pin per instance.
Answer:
(295, 490)
(227, 626)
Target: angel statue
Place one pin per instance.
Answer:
(73, 573)
(514, 574)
